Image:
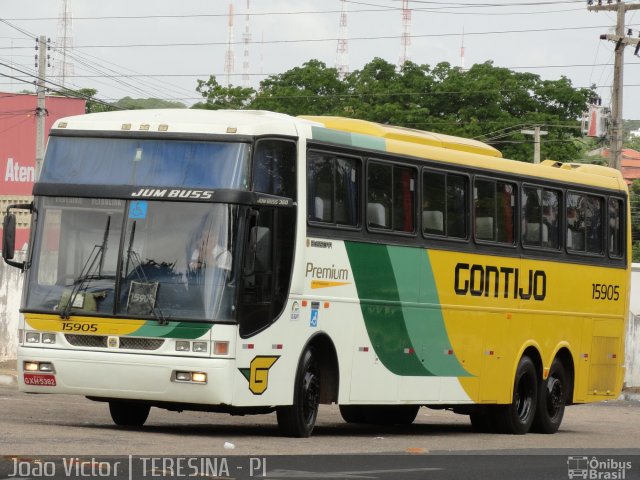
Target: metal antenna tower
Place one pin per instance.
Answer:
(405, 40)
(63, 68)
(462, 68)
(246, 38)
(229, 58)
(342, 50)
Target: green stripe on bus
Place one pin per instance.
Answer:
(404, 322)
(422, 313)
(351, 139)
(186, 330)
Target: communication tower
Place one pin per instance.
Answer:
(246, 38)
(405, 40)
(342, 51)
(229, 59)
(63, 68)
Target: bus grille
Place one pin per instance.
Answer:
(126, 343)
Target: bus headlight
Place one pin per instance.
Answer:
(49, 338)
(182, 346)
(200, 347)
(32, 337)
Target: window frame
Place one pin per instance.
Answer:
(561, 217)
(623, 227)
(392, 164)
(467, 213)
(516, 208)
(604, 243)
(332, 224)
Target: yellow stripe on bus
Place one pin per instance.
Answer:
(81, 324)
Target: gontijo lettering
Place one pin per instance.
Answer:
(485, 280)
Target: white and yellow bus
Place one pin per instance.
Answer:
(251, 262)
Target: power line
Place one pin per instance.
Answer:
(333, 39)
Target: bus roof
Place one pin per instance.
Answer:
(407, 135)
(446, 148)
(183, 120)
(365, 134)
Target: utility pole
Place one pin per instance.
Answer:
(41, 111)
(536, 132)
(621, 41)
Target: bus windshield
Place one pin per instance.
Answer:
(161, 163)
(136, 259)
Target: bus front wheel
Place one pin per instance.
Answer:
(551, 400)
(298, 420)
(129, 414)
(517, 417)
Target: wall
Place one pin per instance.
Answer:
(10, 294)
(632, 351)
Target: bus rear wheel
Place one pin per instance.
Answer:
(551, 400)
(298, 420)
(129, 414)
(516, 418)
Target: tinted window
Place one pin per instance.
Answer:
(333, 186)
(494, 211)
(444, 204)
(540, 217)
(162, 163)
(616, 236)
(274, 168)
(391, 197)
(584, 223)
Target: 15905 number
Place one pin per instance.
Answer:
(604, 291)
(79, 327)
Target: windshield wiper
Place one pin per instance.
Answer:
(95, 257)
(134, 258)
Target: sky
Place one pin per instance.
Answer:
(160, 48)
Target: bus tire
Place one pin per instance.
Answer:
(298, 420)
(129, 414)
(551, 400)
(516, 418)
(352, 413)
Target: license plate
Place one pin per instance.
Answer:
(40, 380)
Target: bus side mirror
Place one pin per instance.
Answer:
(9, 235)
(258, 258)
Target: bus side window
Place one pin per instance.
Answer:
(274, 169)
(616, 220)
(444, 204)
(391, 197)
(495, 211)
(540, 217)
(584, 223)
(333, 189)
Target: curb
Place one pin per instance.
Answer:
(630, 396)
(8, 379)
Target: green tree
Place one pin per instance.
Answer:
(485, 102)
(218, 97)
(128, 103)
(93, 105)
(313, 89)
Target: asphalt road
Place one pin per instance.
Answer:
(438, 445)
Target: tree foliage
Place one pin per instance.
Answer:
(128, 103)
(485, 102)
